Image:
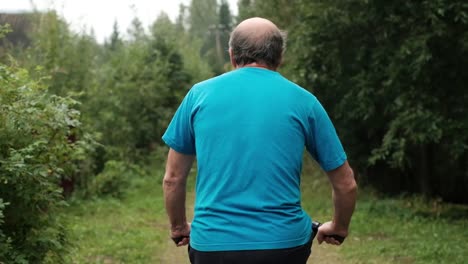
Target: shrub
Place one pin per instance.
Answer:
(35, 154)
(113, 180)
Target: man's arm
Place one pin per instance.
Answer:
(177, 169)
(344, 200)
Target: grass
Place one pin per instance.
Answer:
(131, 230)
(408, 230)
(384, 230)
(393, 230)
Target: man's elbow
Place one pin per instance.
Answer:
(352, 187)
(348, 183)
(172, 180)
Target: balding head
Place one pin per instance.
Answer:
(257, 40)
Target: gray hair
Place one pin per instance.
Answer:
(265, 48)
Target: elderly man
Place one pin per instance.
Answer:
(248, 129)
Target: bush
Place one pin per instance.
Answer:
(112, 181)
(36, 152)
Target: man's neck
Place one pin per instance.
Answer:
(256, 65)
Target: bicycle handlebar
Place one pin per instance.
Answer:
(315, 227)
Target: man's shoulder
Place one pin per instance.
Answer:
(214, 80)
(203, 88)
(303, 91)
(299, 93)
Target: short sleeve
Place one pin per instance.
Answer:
(323, 142)
(179, 134)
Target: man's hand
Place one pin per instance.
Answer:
(181, 232)
(327, 230)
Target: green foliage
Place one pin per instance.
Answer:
(115, 41)
(68, 58)
(32, 165)
(141, 84)
(396, 66)
(188, 47)
(390, 74)
(4, 29)
(128, 89)
(203, 15)
(112, 181)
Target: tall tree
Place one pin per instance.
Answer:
(203, 16)
(115, 39)
(395, 67)
(210, 22)
(136, 30)
(225, 27)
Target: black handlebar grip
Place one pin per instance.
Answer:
(178, 239)
(337, 238)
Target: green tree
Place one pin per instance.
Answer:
(210, 22)
(390, 73)
(115, 41)
(68, 58)
(136, 30)
(203, 15)
(225, 27)
(141, 85)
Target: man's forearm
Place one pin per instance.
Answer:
(344, 202)
(174, 196)
(174, 185)
(344, 196)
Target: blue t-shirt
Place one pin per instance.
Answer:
(248, 129)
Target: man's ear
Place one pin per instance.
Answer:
(231, 57)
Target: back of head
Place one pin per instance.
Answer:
(257, 40)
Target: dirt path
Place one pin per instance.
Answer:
(322, 254)
(173, 254)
